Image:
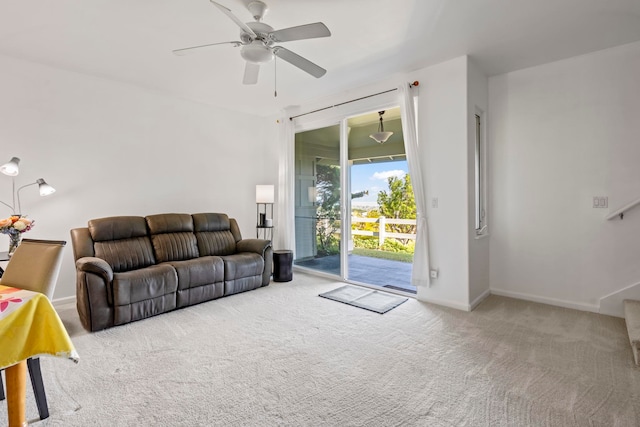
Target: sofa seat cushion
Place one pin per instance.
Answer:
(245, 264)
(242, 272)
(143, 293)
(199, 280)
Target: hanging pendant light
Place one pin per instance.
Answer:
(381, 136)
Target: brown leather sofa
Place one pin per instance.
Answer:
(130, 268)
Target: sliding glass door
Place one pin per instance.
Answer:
(354, 207)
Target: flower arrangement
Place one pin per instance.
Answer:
(15, 224)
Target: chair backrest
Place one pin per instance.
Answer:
(35, 266)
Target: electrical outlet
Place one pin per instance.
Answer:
(434, 202)
(433, 273)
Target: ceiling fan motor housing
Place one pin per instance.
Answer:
(261, 29)
(257, 50)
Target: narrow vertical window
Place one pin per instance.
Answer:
(479, 178)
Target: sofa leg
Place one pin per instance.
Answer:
(38, 387)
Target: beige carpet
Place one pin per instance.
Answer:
(281, 356)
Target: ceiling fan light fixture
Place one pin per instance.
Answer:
(256, 52)
(381, 136)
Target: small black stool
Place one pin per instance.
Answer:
(282, 266)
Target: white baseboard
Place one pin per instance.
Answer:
(481, 298)
(613, 305)
(443, 302)
(59, 302)
(544, 300)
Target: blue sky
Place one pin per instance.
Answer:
(373, 177)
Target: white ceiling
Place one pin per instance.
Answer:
(131, 41)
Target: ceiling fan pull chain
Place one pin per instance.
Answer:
(275, 77)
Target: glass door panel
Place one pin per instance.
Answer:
(317, 199)
(382, 211)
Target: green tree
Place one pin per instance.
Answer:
(398, 203)
(328, 213)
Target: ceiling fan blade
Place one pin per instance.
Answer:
(194, 49)
(299, 61)
(235, 19)
(301, 32)
(251, 71)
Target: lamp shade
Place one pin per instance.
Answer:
(265, 194)
(11, 168)
(312, 194)
(45, 189)
(380, 137)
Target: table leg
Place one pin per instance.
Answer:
(16, 376)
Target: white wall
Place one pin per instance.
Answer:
(560, 134)
(114, 149)
(442, 129)
(479, 247)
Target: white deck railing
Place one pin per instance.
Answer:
(382, 234)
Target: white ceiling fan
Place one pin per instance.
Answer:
(258, 42)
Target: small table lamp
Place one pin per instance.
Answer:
(265, 195)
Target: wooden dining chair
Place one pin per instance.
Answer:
(35, 266)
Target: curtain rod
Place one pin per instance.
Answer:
(416, 83)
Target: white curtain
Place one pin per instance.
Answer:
(285, 231)
(420, 274)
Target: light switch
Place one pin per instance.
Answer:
(600, 201)
(604, 202)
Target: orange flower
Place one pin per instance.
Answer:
(5, 222)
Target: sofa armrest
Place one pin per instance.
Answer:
(93, 293)
(96, 266)
(264, 249)
(258, 246)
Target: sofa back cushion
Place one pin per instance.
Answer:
(172, 237)
(215, 234)
(122, 241)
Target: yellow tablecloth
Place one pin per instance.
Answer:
(29, 326)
